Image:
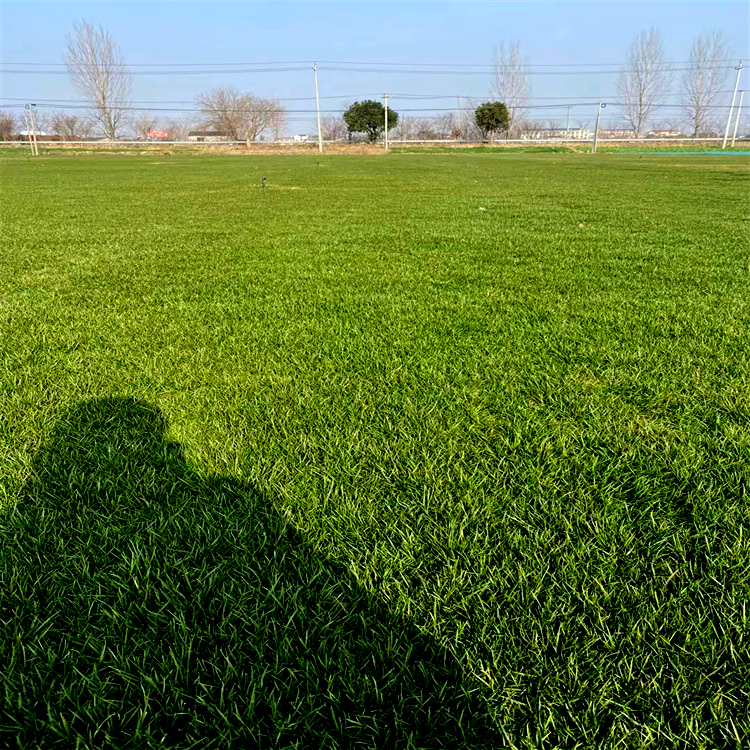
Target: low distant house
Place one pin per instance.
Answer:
(207, 136)
(664, 134)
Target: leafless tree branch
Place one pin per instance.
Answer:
(96, 69)
(644, 80)
(511, 82)
(333, 128)
(240, 115)
(144, 122)
(704, 79)
(70, 127)
(8, 126)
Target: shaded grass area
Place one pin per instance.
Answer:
(360, 149)
(153, 607)
(579, 148)
(690, 147)
(499, 149)
(497, 409)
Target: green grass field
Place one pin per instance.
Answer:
(415, 451)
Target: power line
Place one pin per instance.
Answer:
(521, 72)
(349, 70)
(165, 65)
(177, 101)
(559, 106)
(597, 98)
(359, 63)
(562, 101)
(667, 68)
(166, 72)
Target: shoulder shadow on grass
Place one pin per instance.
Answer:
(144, 605)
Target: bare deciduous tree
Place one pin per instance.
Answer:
(8, 126)
(96, 68)
(467, 122)
(644, 80)
(41, 122)
(704, 79)
(178, 129)
(70, 127)
(144, 122)
(418, 129)
(540, 129)
(511, 83)
(333, 128)
(239, 115)
(448, 126)
(276, 117)
(532, 129)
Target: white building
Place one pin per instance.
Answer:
(298, 138)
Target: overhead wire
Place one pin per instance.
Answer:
(370, 63)
(342, 69)
(218, 110)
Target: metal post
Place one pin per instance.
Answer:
(385, 96)
(567, 126)
(602, 105)
(734, 95)
(737, 120)
(317, 107)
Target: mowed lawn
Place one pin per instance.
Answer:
(409, 451)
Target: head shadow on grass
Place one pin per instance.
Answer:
(145, 605)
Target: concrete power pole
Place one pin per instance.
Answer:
(385, 96)
(731, 108)
(27, 126)
(737, 119)
(32, 130)
(317, 107)
(596, 128)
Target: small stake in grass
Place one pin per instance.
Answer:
(263, 182)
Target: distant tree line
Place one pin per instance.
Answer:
(98, 72)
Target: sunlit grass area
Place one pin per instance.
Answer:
(409, 451)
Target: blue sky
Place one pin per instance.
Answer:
(420, 33)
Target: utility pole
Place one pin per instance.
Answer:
(385, 96)
(459, 116)
(32, 130)
(27, 126)
(317, 107)
(567, 124)
(737, 120)
(602, 105)
(731, 108)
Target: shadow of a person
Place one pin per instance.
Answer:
(145, 605)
